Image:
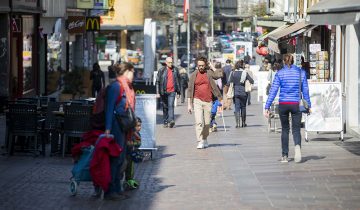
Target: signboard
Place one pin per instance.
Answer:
(26, 3)
(85, 4)
(101, 40)
(93, 23)
(101, 4)
(241, 48)
(145, 108)
(144, 89)
(314, 48)
(76, 24)
(326, 107)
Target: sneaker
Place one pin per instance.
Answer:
(297, 154)
(284, 159)
(214, 128)
(172, 123)
(206, 144)
(200, 145)
(166, 125)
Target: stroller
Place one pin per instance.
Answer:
(81, 169)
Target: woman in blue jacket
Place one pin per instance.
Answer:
(116, 103)
(288, 80)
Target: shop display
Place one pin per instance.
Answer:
(319, 64)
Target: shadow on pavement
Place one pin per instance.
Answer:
(185, 125)
(329, 139)
(224, 145)
(312, 157)
(353, 147)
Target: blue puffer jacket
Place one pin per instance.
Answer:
(287, 79)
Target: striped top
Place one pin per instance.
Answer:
(287, 79)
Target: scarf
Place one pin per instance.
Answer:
(129, 91)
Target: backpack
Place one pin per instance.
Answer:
(97, 119)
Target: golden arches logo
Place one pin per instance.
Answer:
(94, 22)
(140, 92)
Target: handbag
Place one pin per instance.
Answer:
(248, 86)
(127, 119)
(303, 105)
(230, 92)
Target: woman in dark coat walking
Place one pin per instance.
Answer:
(184, 79)
(238, 78)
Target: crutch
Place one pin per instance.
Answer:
(222, 116)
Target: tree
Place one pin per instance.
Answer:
(158, 10)
(259, 9)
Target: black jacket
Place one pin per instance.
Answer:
(161, 80)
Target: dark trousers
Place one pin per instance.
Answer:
(213, 122)
(183, 89)
(168, 100)
(248, 98)
(284, 112)
(240, 104)
(95, 90)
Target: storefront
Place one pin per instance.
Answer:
(347, 57)
(24, 39)
(4, 52)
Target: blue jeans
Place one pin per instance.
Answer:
(284, 112)
(168, 100)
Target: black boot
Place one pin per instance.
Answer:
(243, 119)
(237, 119)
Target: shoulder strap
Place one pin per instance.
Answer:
(300, 86)
(121, 93)
(243, 76)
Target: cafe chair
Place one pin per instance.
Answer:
(52, 125)
(76, 122)
(23, 121)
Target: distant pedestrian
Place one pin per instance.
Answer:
(184, 79)
(167, 87)
(112, 74)
(228, 68)
(202, 89)
(253, 61)
(288, 80)
(247, 58)
(98, 79)
(238, 78)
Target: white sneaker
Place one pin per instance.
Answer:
(297, 154)
(206, 144)
(200, 145)
(284, 159)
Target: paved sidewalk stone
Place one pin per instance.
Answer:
(240, 170)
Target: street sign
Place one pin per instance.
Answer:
(76, 24)
(100, 40)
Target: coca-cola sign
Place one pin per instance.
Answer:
(76, 24)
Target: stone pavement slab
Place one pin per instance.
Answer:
(240, 170)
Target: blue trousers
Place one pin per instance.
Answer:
(168, 100)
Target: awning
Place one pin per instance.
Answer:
(334, 12)
(288, 31)
(272, 32)
(121, 27)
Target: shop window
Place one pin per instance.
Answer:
(54, 52)
(28, 69)
(108, 46)
(135, 47)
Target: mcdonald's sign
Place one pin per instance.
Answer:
(93, 23)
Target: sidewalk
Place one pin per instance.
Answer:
(240, 170)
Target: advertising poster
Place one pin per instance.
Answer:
(326, 107)
(145, 108)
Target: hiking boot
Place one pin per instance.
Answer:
(284, 159)
(206, 144)
(297, 154)
(172, 123)
(200, 145)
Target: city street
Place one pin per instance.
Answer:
(240, 170)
